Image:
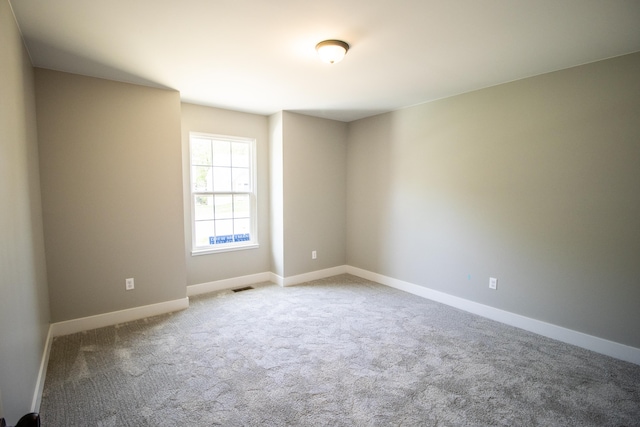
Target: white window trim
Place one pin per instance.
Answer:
(229, 247)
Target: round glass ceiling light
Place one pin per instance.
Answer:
(332, 51)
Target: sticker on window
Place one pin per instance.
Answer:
(242, 237)
(218, 240)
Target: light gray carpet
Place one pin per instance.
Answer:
(335, 352)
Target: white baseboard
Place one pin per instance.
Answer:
(569, 336)
(234, 282)
(115, 317)
(308, 277)
(42, 372)
(278, 280)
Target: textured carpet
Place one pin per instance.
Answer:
(335, 352)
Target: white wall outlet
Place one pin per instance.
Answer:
(314, 255)
(493, 283)
(128, 284)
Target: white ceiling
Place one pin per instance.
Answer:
(258, 56)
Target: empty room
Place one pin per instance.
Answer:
(355, 213)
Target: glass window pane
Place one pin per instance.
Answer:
(241, 207)
(242, 230)
(203, 207)
(241, 179)
(221, 153)
(202, 178)
(240, 154)
(224, 231)
(200, 151)
(224, 207)
(220, 167)
(221, 179)
(204, 232)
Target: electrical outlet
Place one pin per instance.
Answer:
(493, 283)
(314, 255)
(128, 284)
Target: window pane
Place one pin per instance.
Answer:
(204, 231)
(224, 231)
(240, 154)
(224, 207)
(203, 207)
(202, 178)
(241, 207)
(221, 179)
(200, 151)
(221, 153)
(242, 230)
(241, 179)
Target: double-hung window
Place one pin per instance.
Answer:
(223, 193)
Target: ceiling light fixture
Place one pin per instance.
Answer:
(332, 51)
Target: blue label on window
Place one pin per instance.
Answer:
(217, 240)
(242, 237)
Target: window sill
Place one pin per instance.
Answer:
(199, 252)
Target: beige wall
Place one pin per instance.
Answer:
(225, 265)
(535, 182)
(276, 190)
(110, 162)
(302, 196)
(24, 304)
(314, 193)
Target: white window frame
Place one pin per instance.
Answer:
(253, 198)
